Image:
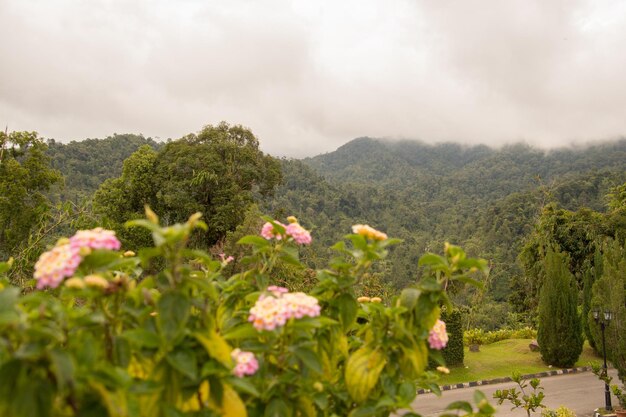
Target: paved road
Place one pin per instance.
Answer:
(582, 392)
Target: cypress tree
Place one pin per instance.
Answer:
(559, 331)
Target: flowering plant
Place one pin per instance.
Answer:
(105, 338)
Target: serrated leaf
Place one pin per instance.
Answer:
(232, 405)
(407, 392)
(408, 298)
(216, 346)
(363, 369)
(62, 367)
(277, 408)
(433, 260)
(348, 308)
(253, 240)
(244, 385)
(184, 361)
(309, 358)
(173, 309)
(460, 405)
(470, 281)
(243, 331)
(417, 355)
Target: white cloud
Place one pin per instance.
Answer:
(308, 76)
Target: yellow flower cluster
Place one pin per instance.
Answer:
(368, 232)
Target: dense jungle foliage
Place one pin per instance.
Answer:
(487, 200)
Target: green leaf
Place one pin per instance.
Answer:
(142, 223)
(216, 347)
(366, 411)
(407, 392)
(243, 331)
(62, 367)
(417, 356)
(254, 241)
(185, 362)
(173, 309)
(309, 358)
(470, 281)
(433, 260)
(290, 256)
(244, 385)
(277, 408)
(5, 266)
(142, 338)
(121, 351)
(460, 405)
(348, 308)
(362, 371)
(408, 298)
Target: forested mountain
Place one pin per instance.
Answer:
(86, 164)
(484, 199)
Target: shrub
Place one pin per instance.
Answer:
(454, 353)
(559, 334)
(108, 339)
(480, 337)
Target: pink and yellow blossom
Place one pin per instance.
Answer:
(55, 265)
(438, 337)
(245, 363)
(298, 233)
(368, 232)
(268, 232)
(272, 311)
(97, 238)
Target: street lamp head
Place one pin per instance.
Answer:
(608, 315)
(596, 315)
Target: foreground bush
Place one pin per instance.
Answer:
(106, 339)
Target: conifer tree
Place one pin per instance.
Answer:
(559, 331)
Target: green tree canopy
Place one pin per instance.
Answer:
(25, 176)
(217, 171)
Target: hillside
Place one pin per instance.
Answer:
(86, 164)
(482, 198)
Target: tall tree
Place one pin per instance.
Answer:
(609, 293)
(217, 172)
(559, 331)
(25, 176)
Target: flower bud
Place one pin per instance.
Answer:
(129, 254)
(151, 215)
(84, 251)
(364, 299)
(75, 282)
(96, 281)
(376, 300)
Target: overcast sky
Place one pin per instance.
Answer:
(307, 76)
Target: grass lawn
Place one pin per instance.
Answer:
(500, 359)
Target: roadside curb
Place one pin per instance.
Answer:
(508, 379)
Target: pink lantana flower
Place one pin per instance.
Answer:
(268, 313)
(56, 265)
(97, 238)
(272, 311)
(438, 338)
(276, 290)
(299, 234)
(268, 232)
(245, 363)
(226, 259)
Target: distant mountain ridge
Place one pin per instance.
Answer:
(482, 198)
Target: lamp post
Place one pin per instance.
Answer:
(604, 319)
